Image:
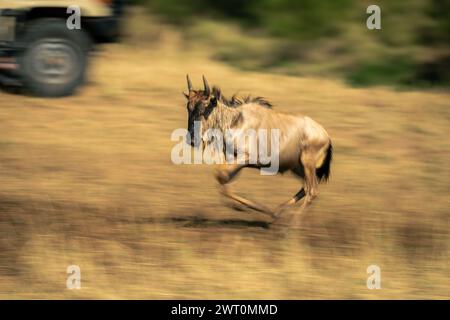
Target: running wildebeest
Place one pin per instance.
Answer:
(304, 145)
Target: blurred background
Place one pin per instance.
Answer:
(87, 179)
(325, 38)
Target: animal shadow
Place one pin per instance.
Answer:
(202, 222)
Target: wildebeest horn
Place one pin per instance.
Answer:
(206, 85)
(189, 83)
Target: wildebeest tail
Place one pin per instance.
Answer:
(323, 172)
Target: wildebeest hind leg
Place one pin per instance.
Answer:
(311, 183)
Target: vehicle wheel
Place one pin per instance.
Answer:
(54, 61)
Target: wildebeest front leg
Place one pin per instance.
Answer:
(225, 175)
(298, 196)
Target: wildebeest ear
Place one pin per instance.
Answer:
(218, 94)
(186, 95)
(213, 101)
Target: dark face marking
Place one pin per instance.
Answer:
(199, 107)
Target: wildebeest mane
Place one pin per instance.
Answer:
(236, 101)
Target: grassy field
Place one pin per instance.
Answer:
(88, 180)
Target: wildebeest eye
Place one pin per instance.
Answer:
(210, 108)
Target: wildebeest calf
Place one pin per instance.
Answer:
(304, 145)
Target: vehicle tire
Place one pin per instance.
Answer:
(54, 61)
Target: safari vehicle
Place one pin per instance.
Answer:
(40, 51)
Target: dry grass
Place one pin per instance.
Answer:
(88, 180)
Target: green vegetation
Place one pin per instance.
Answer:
(326, 37)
